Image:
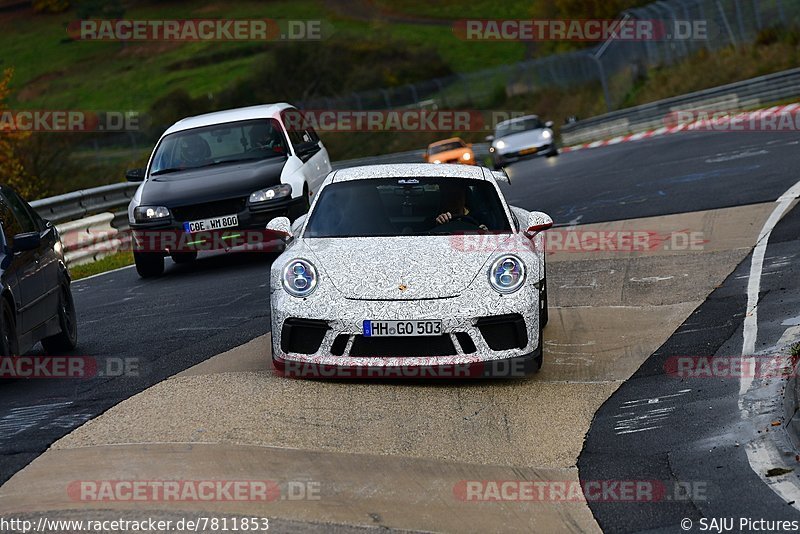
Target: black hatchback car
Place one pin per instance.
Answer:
(36, 302)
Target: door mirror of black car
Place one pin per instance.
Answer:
(135, 175)
(27, 241)
(548, 124)
(490, 138)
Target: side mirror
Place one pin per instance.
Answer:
(548, 124)
(490, 138)
(538, 222)
(298, 224)
(135, 175)
(27, 241)
(280, 225)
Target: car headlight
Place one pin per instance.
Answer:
(501, 144)
(437, 161)
(299, 278)
(547, 134)
(271, 193)
(507, 274)
(150, 213)
(466, 156)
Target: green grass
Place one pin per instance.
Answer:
(796, 350)
(53, 72)
(108, 263)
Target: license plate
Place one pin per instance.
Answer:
(529, 150)
(215, 223)
(402, 328)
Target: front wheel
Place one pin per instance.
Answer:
(148, 264)
(67, 339)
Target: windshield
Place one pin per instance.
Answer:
(508, 128)
(412, 206)
(444, 147)
(219, 144)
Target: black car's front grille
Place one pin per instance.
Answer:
(217, 208)
(402, 347)
(503, 332)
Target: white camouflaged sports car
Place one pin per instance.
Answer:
(410, 270)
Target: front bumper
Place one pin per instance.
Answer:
(165, 237)
(502, 158)
(327, 340)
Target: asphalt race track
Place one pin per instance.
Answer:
(197, 311)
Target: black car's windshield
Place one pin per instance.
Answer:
(444, 147)
(407, 206)
(508, 128)
(219, 144)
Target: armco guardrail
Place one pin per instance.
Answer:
(75, 205)
(736, 96)
(91, 222)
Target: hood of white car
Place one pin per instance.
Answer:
(401, 268)
(518, 141)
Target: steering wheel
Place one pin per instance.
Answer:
(458, 222)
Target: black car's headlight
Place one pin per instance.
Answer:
(150, 213)
(271, 193)
(507, 274)
(299, 278)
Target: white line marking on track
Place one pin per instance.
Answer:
(761, 455)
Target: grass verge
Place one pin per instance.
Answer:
(108, 263)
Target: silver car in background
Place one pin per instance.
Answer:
(519, 138)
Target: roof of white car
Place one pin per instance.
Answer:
(263, 111)
(410, 170)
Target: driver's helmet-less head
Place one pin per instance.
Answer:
(263, 136)
(453, 198)
(194, 149)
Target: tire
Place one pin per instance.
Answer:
(148, 264)
(8, 334)
(183, 257)
(544, 312)
(553, 153)
(67, 339)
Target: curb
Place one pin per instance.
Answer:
(704, 124)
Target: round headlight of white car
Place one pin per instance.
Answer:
(299, 278)
(507, 274)
(500, 144)
(547, 134)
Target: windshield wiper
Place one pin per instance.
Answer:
(168, 170)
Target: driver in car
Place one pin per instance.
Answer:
(265, 136)
(454, 206)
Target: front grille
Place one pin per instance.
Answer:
(402, 347)
(467, 345)
(339, 344)
(302, 336)
(217, 208)
(504, 332)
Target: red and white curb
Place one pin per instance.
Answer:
(721, 124)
